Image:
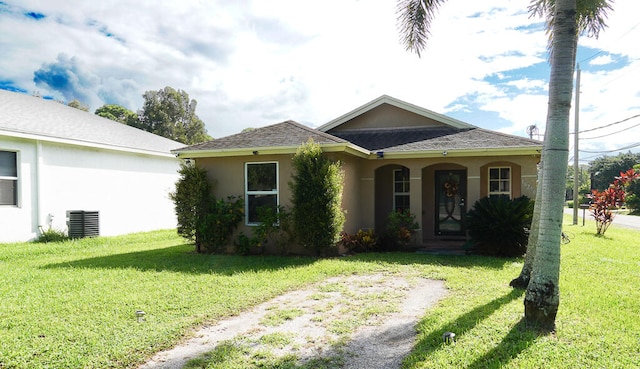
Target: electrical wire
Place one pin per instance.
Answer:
(608, 125)
(610, 151)
(610, 134)
(619, 38)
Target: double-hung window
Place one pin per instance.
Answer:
(261, 189)
(8, 178)
(401, 198)
(500, 181)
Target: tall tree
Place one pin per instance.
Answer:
(171, 114)
(565, 18)
(75, 103)
(118, 113)
(604, 169)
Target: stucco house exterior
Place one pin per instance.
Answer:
(55, 159)
(395, 156)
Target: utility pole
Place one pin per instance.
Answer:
(576, 168)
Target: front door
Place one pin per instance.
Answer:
(450, 191)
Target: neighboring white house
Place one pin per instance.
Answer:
(55, 159)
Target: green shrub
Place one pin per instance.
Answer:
(274, 228)
(400, 228)
(52, 235)
(244, 244)
(316, 188)
(191, 199)
(218, 224)
(499, 226)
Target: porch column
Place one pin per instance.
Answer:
(415, 195)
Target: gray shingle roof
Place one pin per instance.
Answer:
(285, 134)
(22, 114)
(432, 138)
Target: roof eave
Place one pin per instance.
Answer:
(453, 153)
(269, 150)
(81, 143)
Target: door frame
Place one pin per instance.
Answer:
(460, 202)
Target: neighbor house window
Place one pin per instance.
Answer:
(500, 181)
(261, 189)
(401, 189)
(8, 178)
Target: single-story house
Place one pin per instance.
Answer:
(55, 159)
(395, 156)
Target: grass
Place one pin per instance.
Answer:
(72, 304)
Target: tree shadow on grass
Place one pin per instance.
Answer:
(465, 323)
(407, 258)
(517, 340)
(181, 259)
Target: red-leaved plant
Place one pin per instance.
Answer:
(602, 202)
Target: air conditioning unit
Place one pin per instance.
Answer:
(82, 223)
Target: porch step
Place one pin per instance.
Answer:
(444, 247)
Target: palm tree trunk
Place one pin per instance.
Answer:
(542, 298)
(525, 274)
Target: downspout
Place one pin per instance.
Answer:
(37, 193)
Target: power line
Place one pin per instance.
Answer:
(607, 125)
(610, 134)
(610, 151)
(619, 38)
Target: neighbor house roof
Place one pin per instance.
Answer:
(278, 138)
(31, 117)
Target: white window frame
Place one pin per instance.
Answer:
(500, 180)
(402, 193)
(13, 178)
(247, 193)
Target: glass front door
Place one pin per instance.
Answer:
(450, 191)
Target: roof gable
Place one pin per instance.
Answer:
(36, 118)
(284, 137)
(387, 112)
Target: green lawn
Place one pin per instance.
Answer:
(72, 304)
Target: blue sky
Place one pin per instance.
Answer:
(254, 63)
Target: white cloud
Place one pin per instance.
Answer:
(253, 63)
(602, 60)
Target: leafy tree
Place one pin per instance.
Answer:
(583, 183)
(316, 188)
(171, 114)
(604, 169)
(633, 193)
(565, 19)
(118, 113)
(75, 103)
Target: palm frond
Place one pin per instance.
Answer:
(591, 16)
(414, 21)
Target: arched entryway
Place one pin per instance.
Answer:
(444, 195)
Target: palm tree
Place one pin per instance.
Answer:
(565, 19)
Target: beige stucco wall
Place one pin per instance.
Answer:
(387, 116)
(369, 180)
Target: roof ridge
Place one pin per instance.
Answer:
(510, 135)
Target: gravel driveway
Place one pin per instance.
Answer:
(356, 321)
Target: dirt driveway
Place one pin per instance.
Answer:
(356, 321)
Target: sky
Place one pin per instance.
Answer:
(255, 63)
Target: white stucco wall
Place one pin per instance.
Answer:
(131, 191)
